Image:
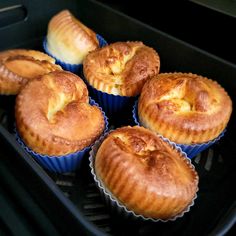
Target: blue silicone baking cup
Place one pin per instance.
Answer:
(61, 164)
(113, 203)
(112, 104)
(191, 150)
(101, 40)
(74, 68)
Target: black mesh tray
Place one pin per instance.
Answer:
(76, 206)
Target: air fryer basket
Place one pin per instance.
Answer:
(71, 200)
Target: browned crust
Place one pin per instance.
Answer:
(53, 115)
(28, 53)
(121, 68)
(145, 173)
(18, 66)
(184, 107)
(68, 39)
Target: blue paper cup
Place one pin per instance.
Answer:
(190, 149)
(61, 164)
(74, 68)
(113, 203)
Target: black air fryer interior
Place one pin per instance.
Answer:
(76, 206)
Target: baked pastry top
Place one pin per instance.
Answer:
(18, 66)
(68, 39)
(145, 173)
(121, 68)
(184, 107)
(54, 117)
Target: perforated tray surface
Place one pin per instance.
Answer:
(76, 206)
(214, 198)
(215, 167)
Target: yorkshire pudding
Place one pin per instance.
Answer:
(121, 68)
(54, 117)
(18, 66)
(68, 39)
(184, 107)
(145, 174)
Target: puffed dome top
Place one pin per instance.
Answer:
(146, 174)
(121, 68)
(18, 66)
(54, 117)
(184, 107)
(68, 39)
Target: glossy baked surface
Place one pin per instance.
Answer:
(18, 66)
(54, 117)
(185, 108)
(68, 39)
(146, 174)
(121, 68)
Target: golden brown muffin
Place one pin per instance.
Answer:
(68, 39)
(53, 116)
(18, 66)
(146, 174)
(121, 68)
(184, 107)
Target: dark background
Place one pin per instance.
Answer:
(209, 29)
